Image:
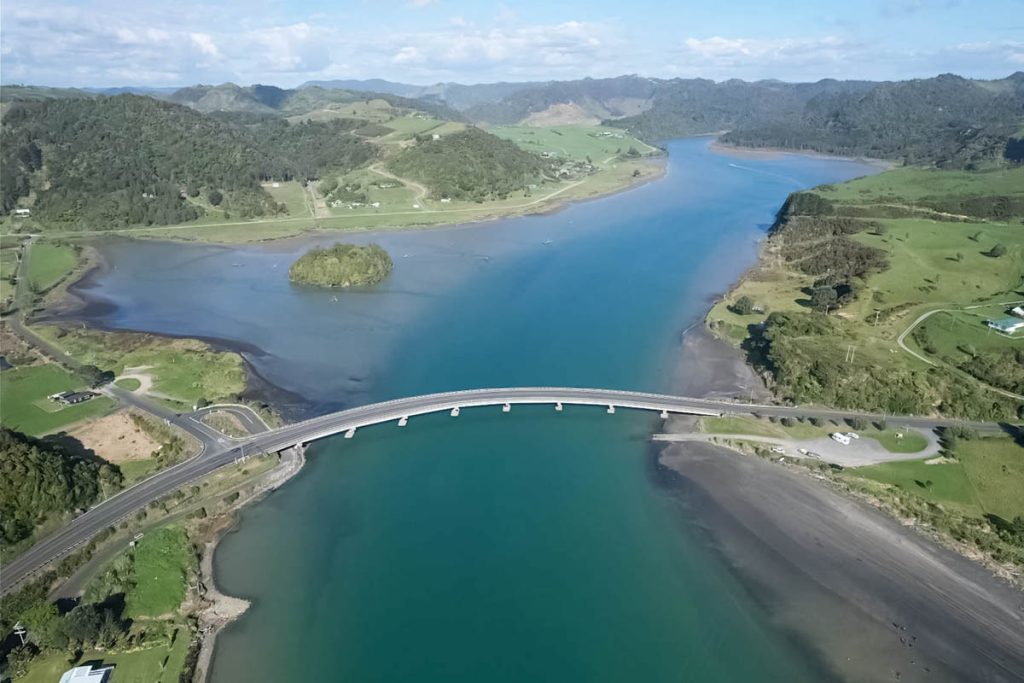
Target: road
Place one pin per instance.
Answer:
(218, 453)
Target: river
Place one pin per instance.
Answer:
(491, 547)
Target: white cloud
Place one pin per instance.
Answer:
(205, 43)
(720, 53)
(420, 3)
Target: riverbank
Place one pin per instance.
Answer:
(876, 601)
(624, 176)
(220, 609)
(775, 152)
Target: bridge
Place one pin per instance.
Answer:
(220, 452)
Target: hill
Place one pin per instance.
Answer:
(875, 294)
(601, 98)
(271, 100)
(454, 95)
(945, 121)
(470, 164)
(128, 160)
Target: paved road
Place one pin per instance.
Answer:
(218, 454)
(249, 418)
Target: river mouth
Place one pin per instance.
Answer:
(507, 546)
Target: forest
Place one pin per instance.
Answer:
(110, 162)
(39, 479)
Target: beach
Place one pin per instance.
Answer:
(874, 600)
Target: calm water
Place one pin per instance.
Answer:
(495, 547)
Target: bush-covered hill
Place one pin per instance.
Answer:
(947, 121)
(470, 165)
(108, 162)
(343, 265)
(39, 479)
(269, 99)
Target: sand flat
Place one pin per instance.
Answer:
(875, 600)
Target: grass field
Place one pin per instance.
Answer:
(141, 666)
(128, 383)
(8, 262)
(600, 143)
(49, 263)
(162, 561)
(909, 442)
(184, 369)
(291, 194)
(135, 471)
(983, 479)
(27, 409)
(909, 184)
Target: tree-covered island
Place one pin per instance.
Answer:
(343, 265)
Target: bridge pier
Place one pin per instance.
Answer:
(558, 406)
(402, 421)
(507, 408)
(611, 410)
(350, 433)
(455, 411)
(664, 415)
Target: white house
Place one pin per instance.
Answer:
(22, 213)
(1006, 325)
(86, 674)
(1018, 311)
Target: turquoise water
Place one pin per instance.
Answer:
(492, 547)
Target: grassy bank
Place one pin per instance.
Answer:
(889, 252)
(182, 371)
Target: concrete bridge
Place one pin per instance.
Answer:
(220, 452)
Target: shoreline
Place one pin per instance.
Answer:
(547, 206)
(725, 372)
(741, 152)
(823, 565)
(221, 609)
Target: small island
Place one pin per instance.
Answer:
(343, 265)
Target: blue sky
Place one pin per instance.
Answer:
(286, 42)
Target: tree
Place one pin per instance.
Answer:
(858, 423)
(743, 306)
(996, 251)
(823, 298)
(215, 197)
(96, 377)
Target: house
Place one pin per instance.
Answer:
(435, 136)
(446, 200)
(22, 213)
(1018, 311)
(86, 674)
(70, 398)
(1006, 325)
(375, 205)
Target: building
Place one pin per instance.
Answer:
(22, 213)
(1018, 311)
(87, 674)
(69, 398)
(1006, 325)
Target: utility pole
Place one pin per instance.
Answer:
(851, 351)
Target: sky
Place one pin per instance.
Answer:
(102, 43)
